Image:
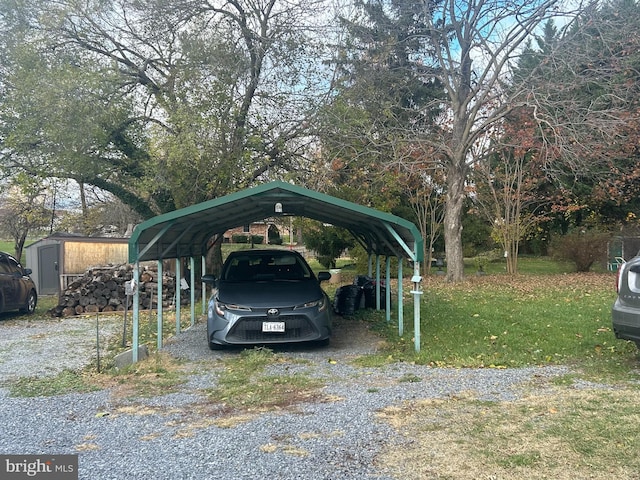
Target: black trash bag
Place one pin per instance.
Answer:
(362, 280)
(369, 292)
(347, 299)
(368, 286)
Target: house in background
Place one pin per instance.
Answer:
(266, 229)
(59, 259)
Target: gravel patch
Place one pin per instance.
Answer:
(46, 347)
(178, 436)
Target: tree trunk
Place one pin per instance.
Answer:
(453, 221)
(19, 244)
(83, 209)
(214, 258)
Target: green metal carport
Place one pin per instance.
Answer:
(188, 233)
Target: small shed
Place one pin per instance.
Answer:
(59, 259)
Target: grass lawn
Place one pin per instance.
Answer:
(504, 321)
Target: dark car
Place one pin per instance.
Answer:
(626, 309)
(267, 297)
(17, 290)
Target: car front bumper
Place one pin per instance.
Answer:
(247, 328)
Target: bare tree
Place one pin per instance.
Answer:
(424, 186)
(23, 211)
(460, 54)
(98, 214)
(583, 96)
(427, 203)
(507, 199)
(475, 46)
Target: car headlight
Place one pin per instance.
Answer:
(223, 307)
(319, 304)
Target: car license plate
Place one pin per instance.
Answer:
(277, 327)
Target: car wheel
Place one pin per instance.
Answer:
(30, 304)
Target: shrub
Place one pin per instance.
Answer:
(239, 238)
(582, 248)
(329, 243)
(481, 261)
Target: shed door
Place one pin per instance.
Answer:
(48, 269)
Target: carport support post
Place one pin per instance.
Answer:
(387, 289)
(178, 294)
(192, 290)
(203, 286)
(377, 282)
(400, 300)
(159, 309)
(136, 313)
(416, 292)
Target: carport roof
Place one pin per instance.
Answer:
(186, 232)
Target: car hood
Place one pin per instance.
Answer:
(269, 294)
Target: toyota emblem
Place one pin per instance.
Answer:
(272, 312)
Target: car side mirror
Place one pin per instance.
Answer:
(322, 276)
(209, 279)
(28, 271)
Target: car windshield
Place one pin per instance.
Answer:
(265, 267)
(9, 265)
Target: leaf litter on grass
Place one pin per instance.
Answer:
(564, 434)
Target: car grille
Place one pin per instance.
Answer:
(297, 328)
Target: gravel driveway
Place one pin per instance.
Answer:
(174, 437)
